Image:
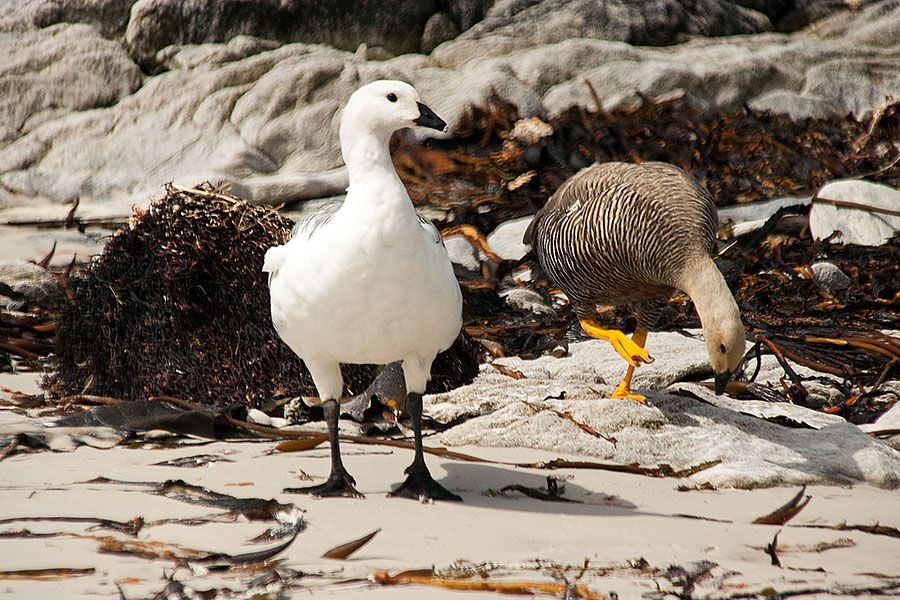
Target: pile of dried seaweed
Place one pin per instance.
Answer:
(177, 305)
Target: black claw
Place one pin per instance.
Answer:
(420, 485)
(340, 485)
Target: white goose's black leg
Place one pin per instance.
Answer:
(340, 482)
(419, 483)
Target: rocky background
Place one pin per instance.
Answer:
(107, 100)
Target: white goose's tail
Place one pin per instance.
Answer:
(275, 257)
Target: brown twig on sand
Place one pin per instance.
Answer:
(787, 512)
(771, 550)
(502, 587)
(51, 574)
(346, 549)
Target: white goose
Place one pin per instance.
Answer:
(370, 282)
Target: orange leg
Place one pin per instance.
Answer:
(624, 388)
(633, 352)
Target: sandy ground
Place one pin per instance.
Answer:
(620, 519)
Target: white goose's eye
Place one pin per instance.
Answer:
(392, 97)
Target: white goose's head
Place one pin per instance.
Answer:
(382, 107)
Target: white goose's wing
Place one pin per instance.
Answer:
(310, 221)
(430, 229)
(303, 229)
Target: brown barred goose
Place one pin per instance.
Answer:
(621, 233)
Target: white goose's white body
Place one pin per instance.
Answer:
(371, 285)
(371, 282)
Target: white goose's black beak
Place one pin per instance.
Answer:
(428, 118)
(722, 380)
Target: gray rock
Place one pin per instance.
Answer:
(821, 395)
(506, 239)
(651, 23)
(877, 25)
(830, 277)
(262, 117)
(19, 16)
(52, 73)
(791, 15)
(462, 252)
(796, 75)
(889, 421)
(155, 24)
(527, 300)
(857, 225)
(28, 283)
(109, 17)
(439, 28)
(746, 218)
(468, 12)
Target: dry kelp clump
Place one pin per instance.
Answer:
(177, 304)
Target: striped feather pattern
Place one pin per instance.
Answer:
(621, 233)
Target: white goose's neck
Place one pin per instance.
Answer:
(368, 158)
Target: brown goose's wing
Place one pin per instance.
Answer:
(646, 182)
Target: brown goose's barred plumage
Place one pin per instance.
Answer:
(621, 233)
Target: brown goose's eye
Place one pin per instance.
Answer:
(392, 97)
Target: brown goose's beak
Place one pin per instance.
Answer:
(722, 380)
(428, 118)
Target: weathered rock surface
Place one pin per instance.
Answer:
(155, 24)
(683, 430)
(109, 17)
(263, 119)
(795, 74)
(462, 252)
(889, 421)
(527, 301)
(56, 73)
(653, 23)
(746, 218)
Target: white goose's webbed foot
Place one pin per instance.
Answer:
(340, 482)
(419, 484)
